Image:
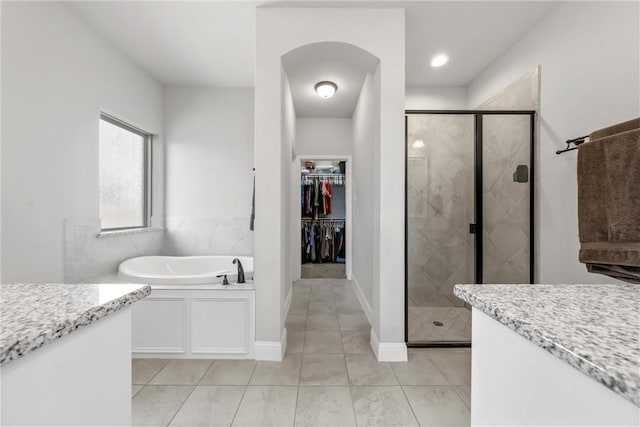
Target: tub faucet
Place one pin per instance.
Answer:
(240, 270)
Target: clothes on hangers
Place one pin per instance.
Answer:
(323, 241)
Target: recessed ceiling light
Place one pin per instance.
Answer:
(326, 89)
(439, 60)
(418, 143)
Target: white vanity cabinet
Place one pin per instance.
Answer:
(195, 323)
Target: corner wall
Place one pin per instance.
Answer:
(57, 76)
(589, 55)
(381, 33)
(209, 176)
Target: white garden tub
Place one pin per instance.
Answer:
(183, 270)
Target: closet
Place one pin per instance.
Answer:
(322, 203)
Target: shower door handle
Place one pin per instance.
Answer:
(472, 229)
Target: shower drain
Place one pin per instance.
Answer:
(438, 323)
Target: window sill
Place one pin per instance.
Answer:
(114, 233)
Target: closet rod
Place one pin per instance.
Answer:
(324, 219)
(323, 175)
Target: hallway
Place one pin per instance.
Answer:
(329, 377)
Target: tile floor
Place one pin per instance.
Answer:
(329, 377)
(323, 271)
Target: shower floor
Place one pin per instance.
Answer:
(456, 324)
(323, 271)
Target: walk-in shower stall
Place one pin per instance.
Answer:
(469, 214)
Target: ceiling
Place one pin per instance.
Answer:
(212, 43)
(341, 63)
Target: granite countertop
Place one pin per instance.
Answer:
(594, 328)
(32, 315)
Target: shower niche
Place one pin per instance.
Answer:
(469, 214)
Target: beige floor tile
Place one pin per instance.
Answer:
(322, 322)
(142, 370)
(437, 406)
(353, 322)
(295, 341)
(356, 342)
(382, 406)
(182, 372)
(348, 307)
(296, 322)
(455, 365)
(298, 307)
(286, 372)
(328, 307)
(419, 370)
(229, 372)
(324, 406)
(324, 369)
(267, 406)
(209, 406)
(135, 388)
(364, 369)
(156, 405)
(322, 342)
(464, 391)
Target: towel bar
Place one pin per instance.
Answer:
(575, 141)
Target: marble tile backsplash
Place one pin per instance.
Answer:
(208, 236)
(87, 256)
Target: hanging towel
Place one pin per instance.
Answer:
(253, 206)
(609, 201)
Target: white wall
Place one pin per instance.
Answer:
(381, 33)
(365, 142)
(57, 76)
(288, 157)
(590, 78)
(209, 170)
(435, 98)
(323, 136)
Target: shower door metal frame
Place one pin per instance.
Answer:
(478, 208)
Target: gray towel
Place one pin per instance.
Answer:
(609, 203)
(253, 206)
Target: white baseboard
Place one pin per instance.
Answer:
(388, 351)
(368, 311)
(272, 350)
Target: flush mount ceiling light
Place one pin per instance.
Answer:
(326, 89)
(439, 60)
(418, 143)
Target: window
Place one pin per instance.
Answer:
(124, 175)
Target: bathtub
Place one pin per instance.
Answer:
(189, 313)
(183, 270)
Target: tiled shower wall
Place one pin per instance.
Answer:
(440, 207)
(506, 144)
(506, 203)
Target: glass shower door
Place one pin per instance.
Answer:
(440, 207)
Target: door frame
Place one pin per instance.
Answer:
(478, 200)
(348, 176)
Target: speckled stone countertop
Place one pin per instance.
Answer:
(33, 315)
(594, 328)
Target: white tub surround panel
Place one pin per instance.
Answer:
(209, 235)
(88, 254)
(62, 340)
(560, 346)
(196, 322)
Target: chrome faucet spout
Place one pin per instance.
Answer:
(240, 270)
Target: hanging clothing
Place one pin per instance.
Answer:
(323, 241)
